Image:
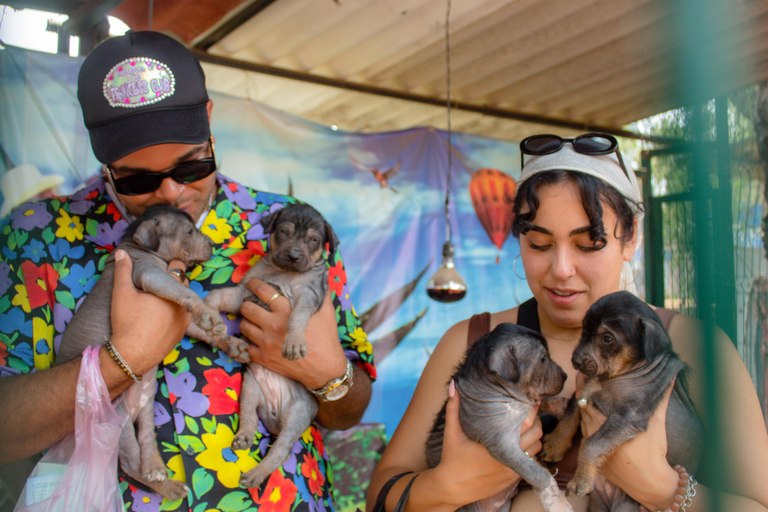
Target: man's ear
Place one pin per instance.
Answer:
(209, 108)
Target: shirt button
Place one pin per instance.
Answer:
(172, 367)
(190, 451)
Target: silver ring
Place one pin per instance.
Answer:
(526, 454)
(581, 402)
(270, 301)
(178, 273)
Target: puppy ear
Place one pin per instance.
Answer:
(146, 235)
(270, 222)
(504, 363)
(333, 240)
(655, 338)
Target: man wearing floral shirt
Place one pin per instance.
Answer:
(148, 115)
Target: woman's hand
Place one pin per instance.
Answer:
(466, 469)
(639, 467)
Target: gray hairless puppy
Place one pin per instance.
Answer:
(162, 234)
(296, 267)
(627, 358)
(503, 375)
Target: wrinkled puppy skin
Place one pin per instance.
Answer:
(628, 361)
(503, 375)
(296, 266)
(163, 233)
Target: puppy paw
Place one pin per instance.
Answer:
(153, 468)
(253, 478)
(172, 490)
(554, 448)
(294, 349)
(579, 486)
(242, 442)
(236, 348)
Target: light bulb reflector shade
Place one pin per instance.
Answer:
(446, 285)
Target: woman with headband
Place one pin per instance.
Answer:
(577, 217)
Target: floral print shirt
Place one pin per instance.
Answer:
(52, 253)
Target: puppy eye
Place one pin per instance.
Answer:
(190, 231)
(544, 359)
(607, 338)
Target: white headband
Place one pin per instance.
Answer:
(604, 167)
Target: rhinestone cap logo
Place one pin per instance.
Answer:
(137, 82)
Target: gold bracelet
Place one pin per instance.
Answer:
(119, 360)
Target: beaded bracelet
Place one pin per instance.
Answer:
(686, 490)
(119, 360)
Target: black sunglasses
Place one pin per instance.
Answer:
(146, 182)
(586, 144)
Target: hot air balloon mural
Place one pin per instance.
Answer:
(492, 193)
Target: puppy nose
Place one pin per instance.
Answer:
(294, 255)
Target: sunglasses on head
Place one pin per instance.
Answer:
(593, 144)
(148, 181)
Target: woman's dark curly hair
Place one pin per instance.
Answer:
(594, 194)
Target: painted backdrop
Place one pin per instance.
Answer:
(391, 225)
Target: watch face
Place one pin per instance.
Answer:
(337, 392)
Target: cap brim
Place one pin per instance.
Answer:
(114, 140)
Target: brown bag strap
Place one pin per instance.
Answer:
(479, 325)
(666, 316)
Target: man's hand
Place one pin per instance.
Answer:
(145, 328)
(266, 330)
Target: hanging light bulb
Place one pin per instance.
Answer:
(446, 285)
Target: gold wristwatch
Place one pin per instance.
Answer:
(337, 388)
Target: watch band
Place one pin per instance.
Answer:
(337, 388)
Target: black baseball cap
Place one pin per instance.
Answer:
(139, 90)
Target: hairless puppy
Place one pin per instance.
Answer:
(296, 267)
(628, 361)
(504, 374)
(163, 233)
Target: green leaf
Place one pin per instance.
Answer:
(17, 364)
(48, 236)
(170, 448)
(171, 505)
(235, 502)
(205, 274)
(209, 425)
(191, 424)
(21, 238)
(217, 262)
(182, 365)
(5, 303)
(204, 361)
(201, 507)
(224, 209)
(202, 482)
(65, 299)
(91, 226)
(192, 441)
(222, 276)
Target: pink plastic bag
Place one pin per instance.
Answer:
(79, 473)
